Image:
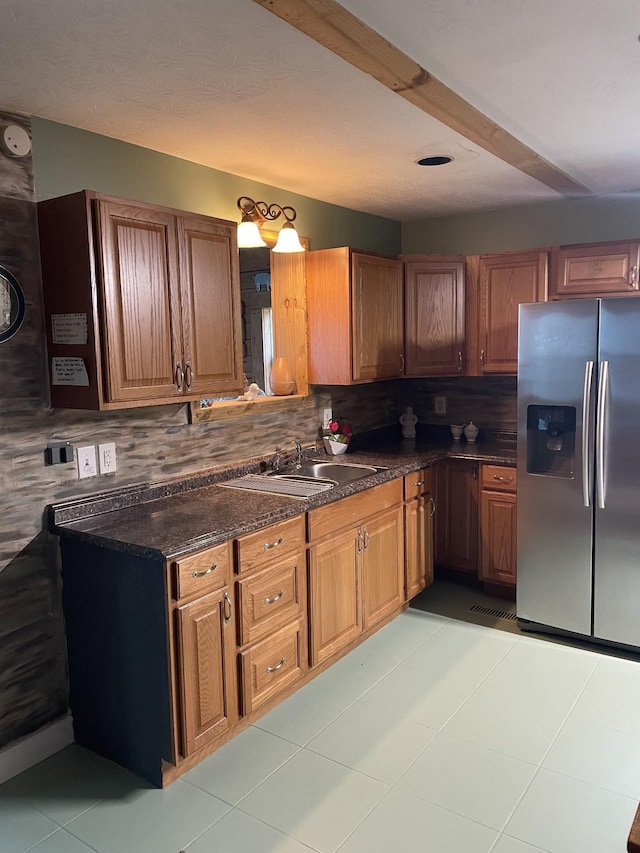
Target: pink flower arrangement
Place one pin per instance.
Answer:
(339, 430)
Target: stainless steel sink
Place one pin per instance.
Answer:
(336, 472)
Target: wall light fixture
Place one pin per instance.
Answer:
(255, 214)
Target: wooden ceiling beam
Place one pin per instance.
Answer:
(334, 27)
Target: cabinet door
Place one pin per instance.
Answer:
(142, 336)
(434, 296)
(206, 666)
(382, 566)
(595, 270)
(376, 317)
(457, 522)
(210, 294)
(419, 515)
(506, 281)
(335, 611)
(498, 537)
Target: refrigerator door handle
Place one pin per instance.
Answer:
(603, 386)
(586, 433)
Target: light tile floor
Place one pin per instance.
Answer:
(435, 735)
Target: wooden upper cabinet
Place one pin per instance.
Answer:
(354, 303)
(434, 315)
(607, 269)
(139, 272)
(504, 282)
(210, 300)
(146, 300)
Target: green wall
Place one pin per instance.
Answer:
(66, 159)
(585, 220)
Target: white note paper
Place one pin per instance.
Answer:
(69, 328)
(68, 371)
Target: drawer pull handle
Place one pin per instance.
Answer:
(633, 276)
(503, 479)
(277, 666)
(433, 507)
(419, 483)
(205, 572)
(227, 608)
(268, 545)
(275, 598)
(366, 538)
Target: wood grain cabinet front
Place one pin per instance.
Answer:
(505, 282)
(354, 303)
(434, 315)
(498, 553)
(419, 514)
(596, 269)
(457, 521)
(206, 669)
(356, 567)
(142, 303)
(271, 597)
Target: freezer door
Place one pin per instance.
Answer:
(557, 343)
(617, 524)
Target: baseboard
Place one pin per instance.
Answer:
(34, 748)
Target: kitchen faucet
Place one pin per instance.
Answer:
(279, 460)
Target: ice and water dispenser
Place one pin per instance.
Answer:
(551, 440)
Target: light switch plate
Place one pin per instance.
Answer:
(327, 417)
(87, 462)
(440, 405)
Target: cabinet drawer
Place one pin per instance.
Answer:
(499, 478)
(418, 483)
(202, 572)
(350, 511)
(270, 598)
(269, 543)
(272, 665)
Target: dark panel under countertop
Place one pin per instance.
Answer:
(199, 512)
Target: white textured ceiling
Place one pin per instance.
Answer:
(226, 84)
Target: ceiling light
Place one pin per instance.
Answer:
(437, 160)
(255, 214)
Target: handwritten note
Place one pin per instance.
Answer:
(69, 328)
(68, 371)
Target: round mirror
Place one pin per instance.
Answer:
(11, 305)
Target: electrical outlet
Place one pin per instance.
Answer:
(440, 405)
(327, 417)
(107, 458)
(87, 462)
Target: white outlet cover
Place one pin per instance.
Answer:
(107, 458)
(327, 417)
(87, 462)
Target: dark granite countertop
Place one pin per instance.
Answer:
(170, 519)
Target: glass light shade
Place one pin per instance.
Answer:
(249, 234)
(288, 240)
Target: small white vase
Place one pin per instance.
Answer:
(471, 432)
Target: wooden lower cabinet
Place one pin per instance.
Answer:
(271, 596)
(498, 525)
(356, 567)
(206, 671)
(457, 521)
(335, 605)
(419, 514)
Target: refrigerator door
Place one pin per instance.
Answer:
(556, 393)
(617, 522)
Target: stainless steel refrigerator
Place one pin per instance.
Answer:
(579, 468)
